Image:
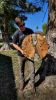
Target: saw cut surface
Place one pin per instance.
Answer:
(41, 46)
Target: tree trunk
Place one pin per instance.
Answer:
(5, 35)
(51, 32)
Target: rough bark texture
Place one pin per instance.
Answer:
(52, 42)
(52, 15)
(51, 34)
(5, 35)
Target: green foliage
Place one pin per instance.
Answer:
(1, 6)
(13, 8)
(44, 27)
(37, 27)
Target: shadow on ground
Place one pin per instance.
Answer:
(47, 68)
(7, 80)
(46, 83)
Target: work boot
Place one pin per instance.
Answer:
(32, 88)
(21, 86)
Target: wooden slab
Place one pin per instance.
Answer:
(41, 46)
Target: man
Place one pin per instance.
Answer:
(17, 40)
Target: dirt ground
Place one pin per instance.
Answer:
(9, 80)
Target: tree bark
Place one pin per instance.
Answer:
(51, 32)
(6, 45)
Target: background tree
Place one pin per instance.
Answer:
(10, 9)
(51, 27)
(51, 32)
(20, 7)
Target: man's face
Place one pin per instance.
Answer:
(22, 27)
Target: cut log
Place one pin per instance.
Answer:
(35, 43)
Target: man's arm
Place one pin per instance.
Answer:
(15, 40)
(17, 47)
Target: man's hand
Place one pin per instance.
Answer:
(19, 49)
(23, 52)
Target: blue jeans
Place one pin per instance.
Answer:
(22, 61)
